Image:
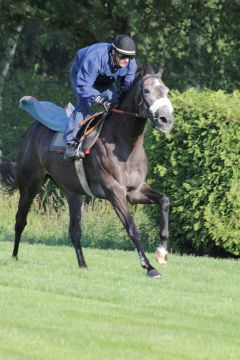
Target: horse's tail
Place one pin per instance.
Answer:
(8, 181)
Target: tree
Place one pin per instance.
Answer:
(195, 41)
(7, 59)
(13, 15)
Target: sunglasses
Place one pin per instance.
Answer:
(123, 56)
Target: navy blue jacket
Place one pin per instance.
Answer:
(93, 67)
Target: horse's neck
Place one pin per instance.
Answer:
(129, 102)
(132, 126)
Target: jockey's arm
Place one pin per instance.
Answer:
(86, 77)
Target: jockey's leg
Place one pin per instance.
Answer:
(70, 135)
(79, 113)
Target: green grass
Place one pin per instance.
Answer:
(49, 309)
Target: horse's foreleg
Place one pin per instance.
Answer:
(75, 203)
(146, 195)
(118, 200)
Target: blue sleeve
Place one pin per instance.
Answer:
(129, 77)
(87, 74)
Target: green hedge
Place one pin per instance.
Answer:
(198, 166)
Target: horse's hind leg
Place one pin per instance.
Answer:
(27, 193)
(75, 203)
(146, 195)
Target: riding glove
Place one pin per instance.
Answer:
(103, 102)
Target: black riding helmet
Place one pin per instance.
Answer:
(124, 44)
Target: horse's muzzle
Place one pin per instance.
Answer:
(163, 119)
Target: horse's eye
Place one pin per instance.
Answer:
(146, 91)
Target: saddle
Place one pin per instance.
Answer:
(87, 135)
(56, 118)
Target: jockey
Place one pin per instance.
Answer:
(93, 73)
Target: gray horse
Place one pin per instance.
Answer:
(115, 170)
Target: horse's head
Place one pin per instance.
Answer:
(153, 101)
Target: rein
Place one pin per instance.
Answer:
(122, 112)
(117, 111)
(90, 118)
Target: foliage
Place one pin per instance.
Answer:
(49, 309)
(195, 41)
(198, 166)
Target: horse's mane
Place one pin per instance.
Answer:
(141, 71)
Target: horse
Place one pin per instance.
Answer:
(116, 168)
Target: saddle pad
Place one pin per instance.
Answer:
(49, 114)
(59, 145)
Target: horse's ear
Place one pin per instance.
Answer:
(146, 69)
(160, 72)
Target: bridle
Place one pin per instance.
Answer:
(141, 103)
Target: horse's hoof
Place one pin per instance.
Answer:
(154, 274)
(161, 255)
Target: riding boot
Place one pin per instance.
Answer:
(70, 152)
